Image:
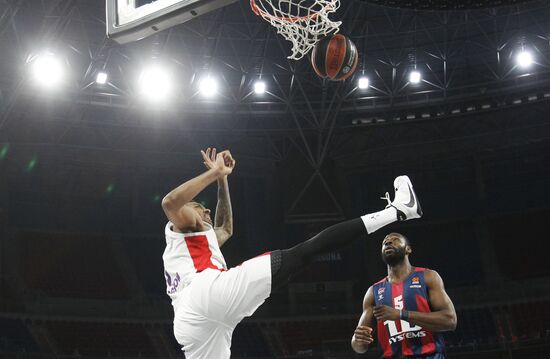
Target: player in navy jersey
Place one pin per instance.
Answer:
(410, 307)
(210, 299)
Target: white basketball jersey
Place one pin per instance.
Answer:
(187, 254)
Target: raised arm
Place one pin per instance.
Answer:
(442, 316)
(223, 220)
(174, 203)
(362, 337)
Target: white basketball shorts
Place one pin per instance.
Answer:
(210, 308)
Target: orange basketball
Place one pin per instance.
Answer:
(335, 57)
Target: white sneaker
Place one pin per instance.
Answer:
(405, 200)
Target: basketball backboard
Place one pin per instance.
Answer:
(131, 20)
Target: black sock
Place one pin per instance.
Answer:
(287, 261)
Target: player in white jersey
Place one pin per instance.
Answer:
(209, 299)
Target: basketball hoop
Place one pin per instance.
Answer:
(302, 22)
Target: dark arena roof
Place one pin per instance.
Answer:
(446, 4)
(84, 167)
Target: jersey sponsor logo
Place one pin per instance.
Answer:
(407, 331)
(172, 284)
(381, 293)
(415, 283)
(408, 335)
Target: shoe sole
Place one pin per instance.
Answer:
(418, 207)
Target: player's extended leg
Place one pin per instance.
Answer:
(405, 206)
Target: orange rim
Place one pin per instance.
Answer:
(260, 12)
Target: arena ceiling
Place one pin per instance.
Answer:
(464, 57)
(445, 4)
(469, 100)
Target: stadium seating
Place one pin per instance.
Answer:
(530, 319)
(474, 325)
(70, 265)
(248, 341)
(15, 337)
(307, 335)
(145, 255)
(9, 301)
(101, 339)
(510, 231)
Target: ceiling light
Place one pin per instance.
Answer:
(155, 83)
(363, 83)
(101, 78)
(208, 86)
(259, 87)
(415, 77)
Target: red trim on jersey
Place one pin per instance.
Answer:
(200, 252)
(419, 269)
(384, 340)
(428, 343)
(397, 290)
(380, 281)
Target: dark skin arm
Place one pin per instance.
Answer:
(223, 221)
(443, 315)
(175, 203)
(362, 337)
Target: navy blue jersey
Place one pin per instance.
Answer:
(400, 338)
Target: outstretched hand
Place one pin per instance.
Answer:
(223, 161)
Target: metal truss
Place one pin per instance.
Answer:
(466, 59)
(462, 55)
(445, 4)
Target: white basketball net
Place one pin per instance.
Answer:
(302, 22)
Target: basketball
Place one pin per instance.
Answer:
(334, 57)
